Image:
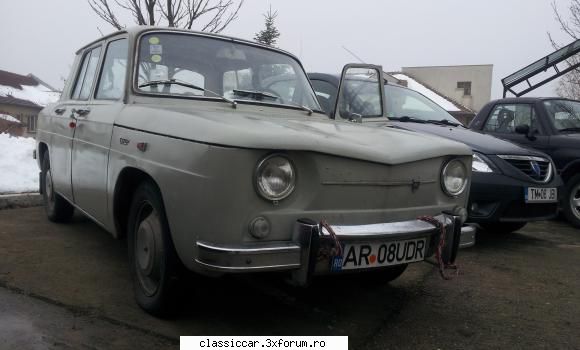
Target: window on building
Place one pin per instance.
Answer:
(465, 86)
(31, 123)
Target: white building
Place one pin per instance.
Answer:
(469, 85)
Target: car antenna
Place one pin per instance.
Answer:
(353, 54)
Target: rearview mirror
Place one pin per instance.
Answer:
(360, 93)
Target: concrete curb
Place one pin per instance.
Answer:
(20, 200)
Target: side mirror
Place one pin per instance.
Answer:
(527, 131)
(360, 93)
(523, 129)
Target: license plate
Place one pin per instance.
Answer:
(377, 254)
(540, 195)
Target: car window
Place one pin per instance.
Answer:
(505, 118)
(231, 69)
(359, 96)
(163, 72)
(86, 76)
(112, 80)
(564, 114)
(404, 102)
(326, 94)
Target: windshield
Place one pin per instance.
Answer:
(565, 115)
(402, 102)
(225, 68)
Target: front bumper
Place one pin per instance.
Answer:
(500, 198)
(306, 254)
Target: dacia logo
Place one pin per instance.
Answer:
(536, 168)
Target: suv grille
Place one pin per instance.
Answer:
(539, 169)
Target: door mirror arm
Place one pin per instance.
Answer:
(530, 133)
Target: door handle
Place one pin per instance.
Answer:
(81, 112)
(60, 111)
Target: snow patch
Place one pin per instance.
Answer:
(39, 94)
(432, 95)
(9, 118)
(18, 171)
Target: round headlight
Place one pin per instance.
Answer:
(454, 178)
(275, 178)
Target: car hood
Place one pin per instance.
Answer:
(285, 129)
(478, 142)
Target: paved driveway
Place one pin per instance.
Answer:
(68, 286)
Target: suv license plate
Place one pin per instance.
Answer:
(541, 195)
(377, 254)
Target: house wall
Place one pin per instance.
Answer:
(445, 78)
(28, 116)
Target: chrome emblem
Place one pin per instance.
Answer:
(536, 168)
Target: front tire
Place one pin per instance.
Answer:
(155, 267)
(503, 227)
(57, 208)
(571, 202)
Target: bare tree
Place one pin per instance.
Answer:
(206, 15)
(569, 84)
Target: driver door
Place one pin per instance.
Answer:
(92, 139)
(504, 118)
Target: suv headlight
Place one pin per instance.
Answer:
(480, 165)
(454, 177)
(275, 177)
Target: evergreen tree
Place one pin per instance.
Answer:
(270, 34)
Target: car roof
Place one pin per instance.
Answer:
(528, 99)
(137, 30)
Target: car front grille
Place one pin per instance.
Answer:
(538, 168)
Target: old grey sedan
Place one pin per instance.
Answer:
(189, 146)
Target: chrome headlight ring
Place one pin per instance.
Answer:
(275, 177)
(454, 178)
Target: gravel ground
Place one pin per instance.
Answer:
(68, 287)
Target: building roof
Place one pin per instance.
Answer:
(9, 118)
(25, 90)
(447, 103)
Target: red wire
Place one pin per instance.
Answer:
(439, 252)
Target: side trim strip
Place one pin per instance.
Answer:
(177, 137)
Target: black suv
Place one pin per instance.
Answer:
(551, 125)
(511, 185)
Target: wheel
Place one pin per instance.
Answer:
(503, 227)
(155, 267)
(57, 208)
(571, 201)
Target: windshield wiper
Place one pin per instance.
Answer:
(577, 129)
(191, 86)
(407, 119)
(443, 121)
(260, 95)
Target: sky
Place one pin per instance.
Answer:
(41, 36)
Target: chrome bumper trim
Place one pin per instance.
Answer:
(467, 236)
(386, 230)
(270, 256)
(300, 255)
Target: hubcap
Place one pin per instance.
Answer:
(575, 200)
(148, 248)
